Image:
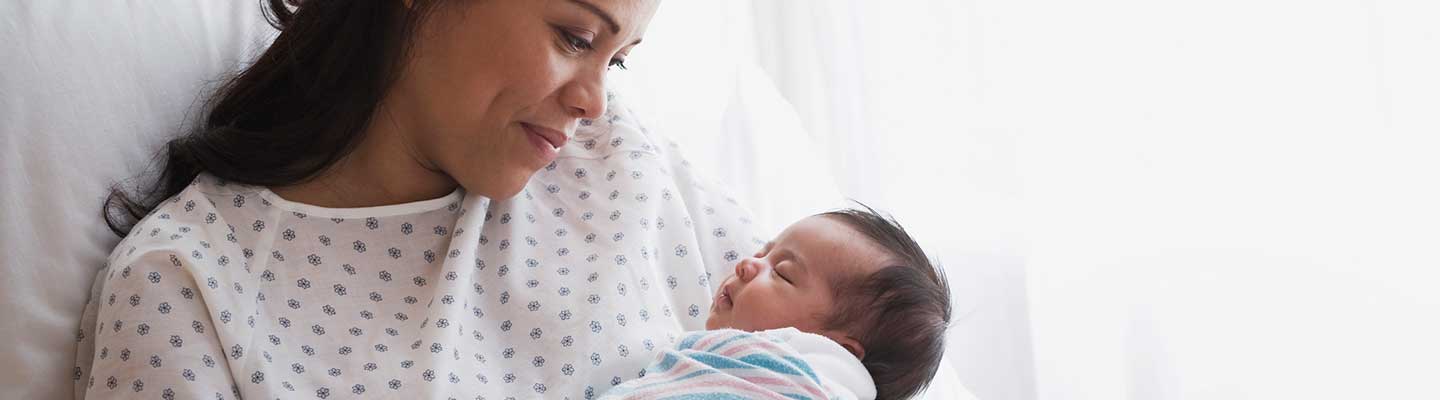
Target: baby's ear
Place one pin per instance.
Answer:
(850, 344)
(856, 350)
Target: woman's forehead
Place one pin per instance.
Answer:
(618, 16)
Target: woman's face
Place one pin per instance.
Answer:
(494, 87)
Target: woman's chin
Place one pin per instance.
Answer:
(503, 188)
(510, 190)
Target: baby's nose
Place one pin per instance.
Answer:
(749, 268)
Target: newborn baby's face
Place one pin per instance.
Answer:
(789, 282)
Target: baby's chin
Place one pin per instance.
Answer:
(717, 321)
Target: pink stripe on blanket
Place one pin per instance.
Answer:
(710, 338)
(754, 345)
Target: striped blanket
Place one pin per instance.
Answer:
(726, 364)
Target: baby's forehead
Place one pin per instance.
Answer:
(832, 248)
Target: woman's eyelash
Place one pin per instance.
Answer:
(578, 44)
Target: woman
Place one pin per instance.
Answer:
(344, 153)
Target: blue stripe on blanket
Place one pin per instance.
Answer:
(771, 363)
(804, 366)
(666, 364)
(718, 361)
(689, 341)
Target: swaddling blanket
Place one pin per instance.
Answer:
(733, 364)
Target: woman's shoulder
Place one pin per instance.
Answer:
(191, 223)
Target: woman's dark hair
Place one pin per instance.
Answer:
(302, 106)
(899, 313)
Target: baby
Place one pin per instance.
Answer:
(842, 304)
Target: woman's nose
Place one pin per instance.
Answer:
(749, 268)
(584, 97)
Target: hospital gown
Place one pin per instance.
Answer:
(228, 291)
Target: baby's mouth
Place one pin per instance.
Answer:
(723, 298)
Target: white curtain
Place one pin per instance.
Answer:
(1222, 199)
(890, 93)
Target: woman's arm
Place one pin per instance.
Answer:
(154, 336)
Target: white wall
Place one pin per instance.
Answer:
(1226, 199)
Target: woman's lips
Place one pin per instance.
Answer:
(547, 141)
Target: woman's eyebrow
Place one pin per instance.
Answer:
(599, 12)
(609, 20)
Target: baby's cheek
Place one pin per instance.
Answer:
(775, 318)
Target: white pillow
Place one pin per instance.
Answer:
(90, 90)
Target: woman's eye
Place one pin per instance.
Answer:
(618, 63)
(573, 42)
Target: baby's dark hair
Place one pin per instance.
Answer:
(898, 314)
